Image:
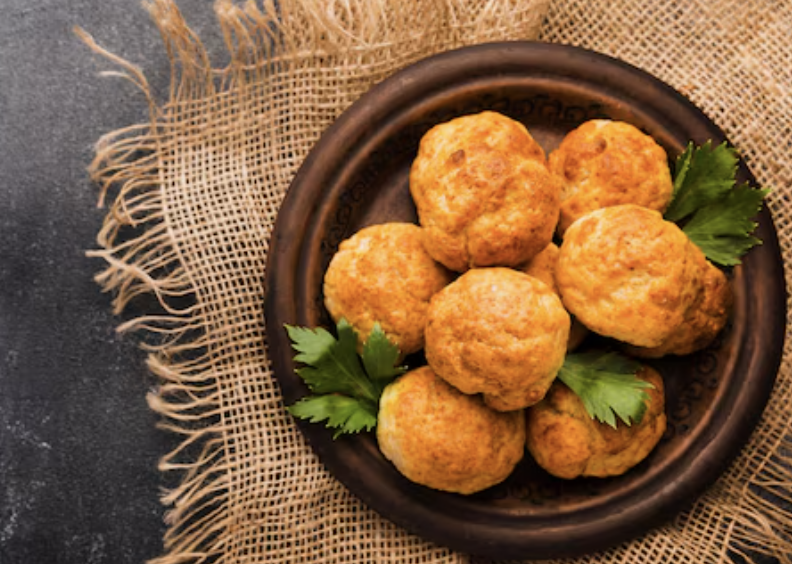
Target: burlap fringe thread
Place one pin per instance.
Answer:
(137, 240)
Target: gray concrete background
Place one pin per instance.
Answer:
(78, 445)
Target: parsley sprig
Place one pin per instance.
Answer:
(346, 390)
(715, 212)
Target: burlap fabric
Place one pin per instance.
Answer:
(195, 193)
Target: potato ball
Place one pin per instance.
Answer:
(606, 163)
(626, 273)
(483, 192)
(568, 443)
(543, 267)
(498, 332)
(383, 274)
(439, 437)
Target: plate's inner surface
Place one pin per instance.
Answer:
(374, 189)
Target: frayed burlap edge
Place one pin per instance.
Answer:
(137, 240)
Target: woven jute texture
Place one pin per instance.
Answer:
(193, 195)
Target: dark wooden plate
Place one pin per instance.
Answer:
(357, 176)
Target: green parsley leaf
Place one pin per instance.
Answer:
(702, 176)
(331, 366)
(681, 168)
(723, 230)
(607, 385)
(380, 358)
(347, 390)
(715, 213)
(345, 414)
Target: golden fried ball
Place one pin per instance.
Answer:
(383, 274)
(567, 443)
(498, 332)
(704, 319)
(626, 273)
(484, 193)
(543, 267)
(439, 437)
(606, 163)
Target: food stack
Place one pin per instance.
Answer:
(516, 258)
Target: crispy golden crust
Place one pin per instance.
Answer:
(441, 438)
(543, 267)
(704, 319)
(383, 274)
(483, 192)
(606, 163)
(626, 273)
(498, 332)
(566, 442)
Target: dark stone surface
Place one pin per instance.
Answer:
(78, 445)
